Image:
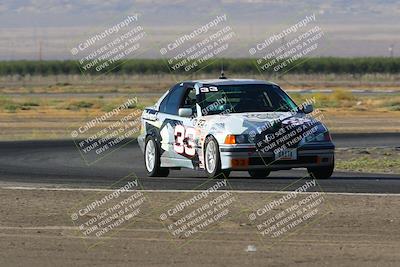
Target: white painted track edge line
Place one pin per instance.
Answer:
(192, 191)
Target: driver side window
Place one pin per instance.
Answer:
(189, 101)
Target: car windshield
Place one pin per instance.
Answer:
(244, 98)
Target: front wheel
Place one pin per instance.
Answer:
(212, 159)
(152, 159)
(259, 173)
(324, 172)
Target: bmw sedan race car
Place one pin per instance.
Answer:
(229, 125)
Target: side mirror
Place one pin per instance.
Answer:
(308, 109)
(185, 112)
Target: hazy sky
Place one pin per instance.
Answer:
(49, 28)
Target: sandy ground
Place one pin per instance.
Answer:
(372, 159)
(349, 121)
(36, 229)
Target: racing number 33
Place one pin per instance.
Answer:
(184, 140)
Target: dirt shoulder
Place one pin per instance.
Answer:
(57, 123)
(351, 230)
(372, 159)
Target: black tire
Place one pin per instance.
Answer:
(259, 173)
(211, 141)
(324, 172)
(156, 171)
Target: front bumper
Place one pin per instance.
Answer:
(246, 157)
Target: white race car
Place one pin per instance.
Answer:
(229, 125)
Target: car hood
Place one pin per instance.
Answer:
(255, 122)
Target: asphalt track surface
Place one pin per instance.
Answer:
(59, 163)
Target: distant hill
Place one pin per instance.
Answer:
(47, 29)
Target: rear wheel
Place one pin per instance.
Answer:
(212, 159)
(152, 159)
(259, 173)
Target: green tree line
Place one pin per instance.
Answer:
(324, 65)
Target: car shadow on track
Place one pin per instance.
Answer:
(292, 175)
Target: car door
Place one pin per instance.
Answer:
(184, 133)
(167, 117)
(177, 152)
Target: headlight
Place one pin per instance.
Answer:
(241, 139)
(318, 137)
(237, 139)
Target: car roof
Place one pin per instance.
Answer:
(217, 82)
